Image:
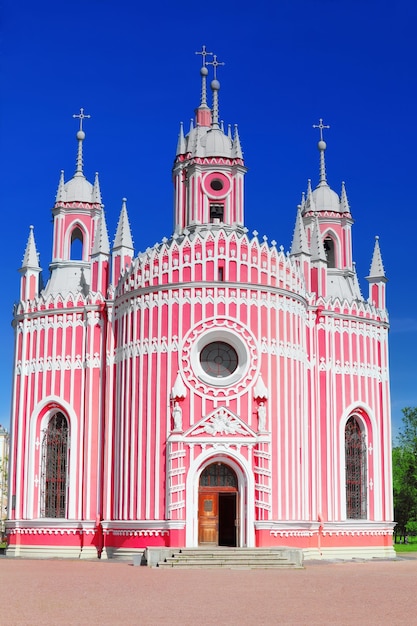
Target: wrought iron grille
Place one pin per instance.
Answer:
(218, 475)
(355, 458)
(54, 467)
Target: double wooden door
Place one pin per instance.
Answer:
(218, 523)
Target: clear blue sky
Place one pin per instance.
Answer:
(288, 63)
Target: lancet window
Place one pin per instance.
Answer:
(54, 467)
(330, 251)
(77, 241)
(356, 470)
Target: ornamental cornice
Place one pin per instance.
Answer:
(354, 368)
(208, 293)
(46, 320)
(87, 206)
(58, 363)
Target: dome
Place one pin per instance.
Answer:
(216, 144)
(325, 199)
(78, 189)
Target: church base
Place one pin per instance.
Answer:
(127, 540)
(351, 539)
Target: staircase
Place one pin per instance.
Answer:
(232, 558)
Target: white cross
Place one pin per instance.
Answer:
(320, 126)
(81, 117)
(215, 63)
(204, 53)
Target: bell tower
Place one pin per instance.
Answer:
(208, 170)
(77, 215)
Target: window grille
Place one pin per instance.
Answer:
(218, 475)
(54, 467)
(355, 459)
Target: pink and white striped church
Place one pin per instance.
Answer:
(211, 391)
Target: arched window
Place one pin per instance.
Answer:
(218, 475)
(355, 459)
(77, 241)
(329, 249)
(54, 467)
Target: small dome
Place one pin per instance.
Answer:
(216, 143)
(325, 199)
(78, 189)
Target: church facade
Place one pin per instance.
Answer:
(210, 391)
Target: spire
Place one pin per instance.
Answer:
(377, 267)
(203, 114)
(101, 237)
(322, 147)
(299, 241)
(80, 138)
(181, 141)
(123, 236)
(309, 204)
(60, 194)
(203, 73)
(30, 258)
(317, 249)
(96, 190)
(356, 284)
(215, 86)
(237, 149)
(344, 204)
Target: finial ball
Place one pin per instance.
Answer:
(203, 71)
(215, 85)
(81, 135)
(322, 145)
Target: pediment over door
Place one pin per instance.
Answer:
(221, 423)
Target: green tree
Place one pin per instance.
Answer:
(404, 461)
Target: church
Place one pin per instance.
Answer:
(213, 390)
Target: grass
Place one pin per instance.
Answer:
(411, 546)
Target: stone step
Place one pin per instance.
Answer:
(234, 558)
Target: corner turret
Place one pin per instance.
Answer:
(30, 270)
(377, 279)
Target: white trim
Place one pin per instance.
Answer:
(64, 407)
(246, 490)
(371, 437)
(228, 337)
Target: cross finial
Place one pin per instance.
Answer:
(320, 126)
(215, 63)
(81, 117)
(204, 53)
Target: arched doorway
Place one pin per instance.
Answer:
(218, 523)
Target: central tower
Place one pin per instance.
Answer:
(208, 169)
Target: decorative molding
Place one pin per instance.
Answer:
(222, 422)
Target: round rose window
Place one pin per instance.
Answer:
(218, 359)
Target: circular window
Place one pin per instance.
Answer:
(216, 184)
(218, 359)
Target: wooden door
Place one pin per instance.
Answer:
(208, 518)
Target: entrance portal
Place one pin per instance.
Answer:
(218, 523)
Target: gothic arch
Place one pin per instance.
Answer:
(331, 245)
(356, 469)
(76, 232)
(40, 419)
(246, 490)
(371, 456)
(54, 467)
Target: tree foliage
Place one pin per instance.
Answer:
(404, 462)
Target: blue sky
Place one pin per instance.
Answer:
(288, 63)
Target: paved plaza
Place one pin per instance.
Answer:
(107, 592)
